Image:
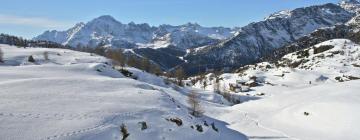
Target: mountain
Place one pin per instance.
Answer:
(350, 5)
(107, 31)
(260, 38)
(198, 48)
(349, 30)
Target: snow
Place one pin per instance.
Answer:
(280, 14)
(76, 95)
(108, 30)
(277, 108)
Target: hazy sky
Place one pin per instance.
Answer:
(29, 18)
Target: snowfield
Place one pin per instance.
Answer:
(312, 94)
(76, 95)
(319, 99)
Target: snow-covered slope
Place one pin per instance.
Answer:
(260, 38)
(350, 5)
(105, 30)
(308, 95)
(75, 95)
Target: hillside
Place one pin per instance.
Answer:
(261, 38)
(75, 95)
(310, 94)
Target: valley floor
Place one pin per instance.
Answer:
(280, 115)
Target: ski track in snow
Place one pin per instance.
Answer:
(258, 124)
(120, 116)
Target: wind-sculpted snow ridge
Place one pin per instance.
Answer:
(72, 95)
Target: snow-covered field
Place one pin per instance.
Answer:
(77, 95)
(302, 103)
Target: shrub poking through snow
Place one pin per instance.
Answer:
(339, 79)
(306, 113)
(206, 124)
(355, 65)
(199, 128)
(126, 73)
(352, 77)
(143, 125)
(177, 121)
(124, 131)
(46, 56)
(214, 127)
(31, 59)
(194, 103)
(1, 56)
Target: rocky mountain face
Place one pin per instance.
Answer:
(258, 39)
(349, 30)
(107, 31)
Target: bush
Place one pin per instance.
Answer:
(31, 59)
(302, 54)
(1, 56)
(126, 73)
(124, 131)
(214, 127)
(177, 121)
(199, 128)
(143, 125)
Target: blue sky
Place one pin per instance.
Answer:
(29, 18)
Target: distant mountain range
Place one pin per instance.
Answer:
(108, 31)
(197, 48)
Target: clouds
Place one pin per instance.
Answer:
(32, 21)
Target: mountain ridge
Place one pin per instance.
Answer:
(107, 30)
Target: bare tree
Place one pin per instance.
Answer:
(180, 75)
(124, 131)
(205, 84)
(117, 56)
(194, 102)
(145, 65)
(155, 69)
(1, 56)
(217, 85)
(46, 55)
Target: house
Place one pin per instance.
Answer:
(239, 87)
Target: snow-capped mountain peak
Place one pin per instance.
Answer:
(280, 14)
(106, 29)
